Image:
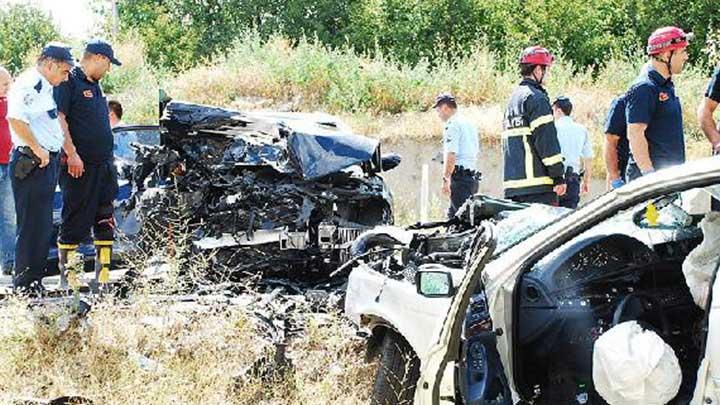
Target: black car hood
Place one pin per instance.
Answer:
(289, 142)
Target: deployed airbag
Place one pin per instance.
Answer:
(635, 366)
(700, 264)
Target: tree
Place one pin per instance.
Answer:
(23, 29)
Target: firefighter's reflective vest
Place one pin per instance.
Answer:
(533, 163)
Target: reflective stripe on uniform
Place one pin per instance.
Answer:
(545, 119)
(529, 169)
(549, 161)
(516, 132)
(536, 181)
(103, 243)
(67, 246)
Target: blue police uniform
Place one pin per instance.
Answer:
(615, 124)
(652, 101)
(461, 138)
(31, 101)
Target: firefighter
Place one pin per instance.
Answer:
(653, 111)
(708, 106)
(705, 115)
(88, 177)
(617, 148)
(533, 164)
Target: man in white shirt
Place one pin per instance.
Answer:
(577, 151)
(460, 153)
(37, 139)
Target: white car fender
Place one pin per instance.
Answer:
(373, 299)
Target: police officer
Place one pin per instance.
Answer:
(577, 152)
(653, 111)
(617, 148)
(88, 179)
(533, 164)
(460, 151)
(37, 137)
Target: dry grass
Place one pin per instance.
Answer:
(161, 353)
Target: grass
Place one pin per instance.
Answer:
(158, 353)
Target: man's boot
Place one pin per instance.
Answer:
(103, 257)
(67, 253)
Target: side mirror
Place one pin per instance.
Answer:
(390, 161)
(434, 284)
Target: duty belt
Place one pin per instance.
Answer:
(461, 171)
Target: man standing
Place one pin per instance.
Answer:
(653, 111)
(37, 137)
(7, 203)
(576, 150)
(533, 167)
(460, 150)
(707, 107)
(88, 179)
(705, 115)
(617, 148)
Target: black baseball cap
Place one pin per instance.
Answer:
(100, 47)
(443, 98)
(58, 51)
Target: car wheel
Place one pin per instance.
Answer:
(398, 372)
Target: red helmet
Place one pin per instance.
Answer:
(537, 55)
(667, 39)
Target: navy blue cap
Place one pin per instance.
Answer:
(59, 52)
(443, 98)
(100, 47)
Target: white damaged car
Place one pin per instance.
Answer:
(611, 303)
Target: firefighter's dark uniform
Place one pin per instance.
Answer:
(533, 162)
(652, 101)
(713, 93)
(87, 200)
(615, 124)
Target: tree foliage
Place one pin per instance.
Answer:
(181, 33)
(23, 29)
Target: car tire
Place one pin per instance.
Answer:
(398, 372)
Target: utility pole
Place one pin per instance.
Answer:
(115, 18)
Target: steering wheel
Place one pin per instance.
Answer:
(641, 305)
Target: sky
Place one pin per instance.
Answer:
(74, 18)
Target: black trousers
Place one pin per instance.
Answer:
(571, 198)
(463, 185)
(34, 208)
(549, 198)
(88, 203)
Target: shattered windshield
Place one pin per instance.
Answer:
(516, 226)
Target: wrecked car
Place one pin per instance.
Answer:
(264, 192)
(530, 304)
